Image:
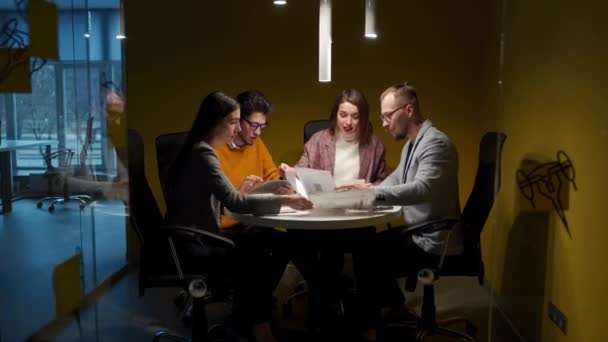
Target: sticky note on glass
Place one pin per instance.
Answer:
(67, 286)
(15, 71)
(43, 29)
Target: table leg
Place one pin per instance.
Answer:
(6, 182)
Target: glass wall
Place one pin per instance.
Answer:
(547, 234)
(63, 227)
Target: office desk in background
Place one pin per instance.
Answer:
(6, 170)
(321, 219)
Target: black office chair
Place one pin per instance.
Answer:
(313, 126)
(167, 148)
(470, 262)
(160, 264)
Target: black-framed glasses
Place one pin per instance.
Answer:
(388, 116)
(255, 125)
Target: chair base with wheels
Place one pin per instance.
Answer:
(197, 289)
(427, 325)
(83, 199)
(57, 178)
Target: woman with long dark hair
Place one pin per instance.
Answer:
(197, 188)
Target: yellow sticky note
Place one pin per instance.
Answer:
(43, 29)
(67, 286)
(15, 71)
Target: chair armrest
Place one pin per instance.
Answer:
(205, 236)
(428, 276)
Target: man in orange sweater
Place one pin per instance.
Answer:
(262, 252)
(246, 161)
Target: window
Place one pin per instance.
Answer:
(67, 92)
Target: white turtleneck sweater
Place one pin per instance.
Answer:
(346, 167)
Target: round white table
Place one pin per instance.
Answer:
(321, 219)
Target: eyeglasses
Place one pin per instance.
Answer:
(388, 116)
(256, 125)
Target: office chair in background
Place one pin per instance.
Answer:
(57, 176)
(160, 264)
(470, 262)
(313, 126)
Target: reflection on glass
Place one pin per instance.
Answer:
(76, 120)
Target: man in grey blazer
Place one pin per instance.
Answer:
(426, 181)
(426, 184)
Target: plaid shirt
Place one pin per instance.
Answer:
(320, 153)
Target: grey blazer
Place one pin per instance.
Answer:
(427, 188)
(194, 197)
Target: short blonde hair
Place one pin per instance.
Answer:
(403, 91)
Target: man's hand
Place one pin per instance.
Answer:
(359, 186)
(284, 168)
(249, 183)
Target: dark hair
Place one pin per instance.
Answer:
(356, 98)
(214, 108)
(252, 101)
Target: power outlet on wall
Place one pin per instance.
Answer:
(557, 317)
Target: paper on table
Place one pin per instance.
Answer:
(287, 210)
(350, 182)
(319, 187)
(315, 181)
(292, 178)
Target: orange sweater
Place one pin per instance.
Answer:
(240, 163)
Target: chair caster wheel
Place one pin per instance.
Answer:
(82, 206)
(51, 209)
(470, 329)
(197, 288)
(39, 205)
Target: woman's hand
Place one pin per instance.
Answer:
(359, 186)
(249, 183)
(284, 190)
(283, 168)
(296, 201)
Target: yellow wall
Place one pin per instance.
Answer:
(177, 54)
(553, 98)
